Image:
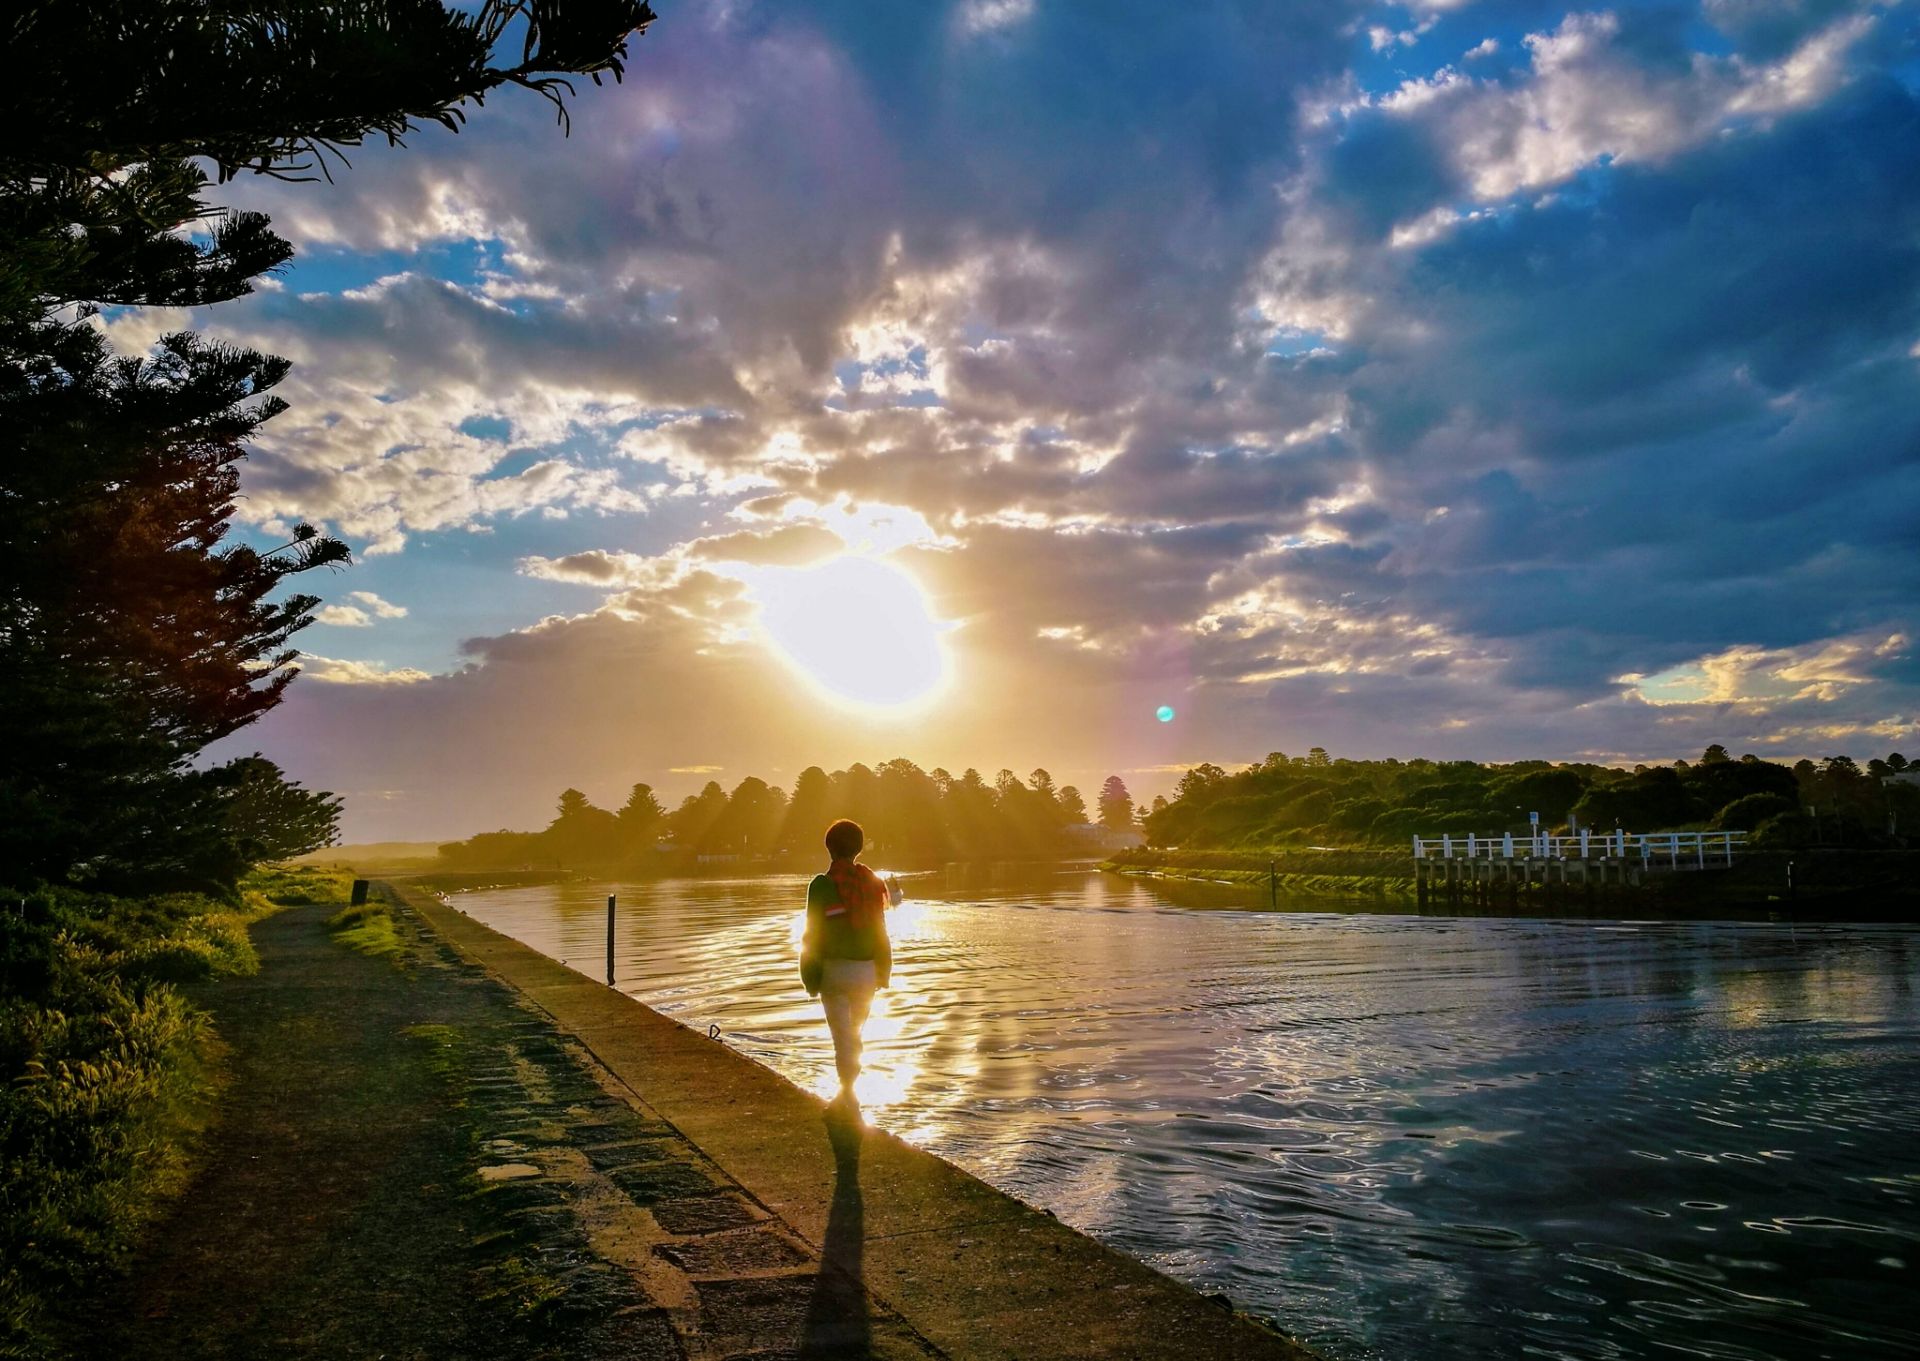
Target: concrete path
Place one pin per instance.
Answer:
(902, 1251)
(412, 1161)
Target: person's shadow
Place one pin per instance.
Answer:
(836, 1324)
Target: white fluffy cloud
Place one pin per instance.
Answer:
(361, 615)
(336, 671)
(1477, 398)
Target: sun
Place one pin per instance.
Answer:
(858, 629)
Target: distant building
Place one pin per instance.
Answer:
(1091, 836)
(1911, 775)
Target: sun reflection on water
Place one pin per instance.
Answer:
(1352, 1122)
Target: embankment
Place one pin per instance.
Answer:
(470, 881)
(1326, 873)
(968, 1268)
(1816, 884)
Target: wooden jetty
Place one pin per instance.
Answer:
(1488, 870)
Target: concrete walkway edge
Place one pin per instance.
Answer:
(972, 1270)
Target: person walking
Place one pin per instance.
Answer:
(845, 955)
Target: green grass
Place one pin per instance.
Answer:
(297, 885)
(108, 1070)
(367, 928)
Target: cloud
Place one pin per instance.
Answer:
(1333, 396)
(1822, 672)
(362, 615)
(335, 671)
(794, 545)
(380, 609)
(992, 16)
(595, 567)
(1606, 86)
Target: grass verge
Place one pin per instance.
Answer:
(367, 928)
(107, 1071)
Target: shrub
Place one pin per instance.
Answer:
(1746, 814)
(104, 1069)
(1784, 831)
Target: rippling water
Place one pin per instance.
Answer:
(1396, 1136)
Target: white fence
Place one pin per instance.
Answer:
(1656, 850)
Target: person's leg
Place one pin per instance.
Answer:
(845, 1030)
(860, 986)
(861, 996)
(847, 990)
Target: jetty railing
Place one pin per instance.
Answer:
(1654, 850)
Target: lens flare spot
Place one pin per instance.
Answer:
(1164, 713)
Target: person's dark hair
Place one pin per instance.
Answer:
(844, 840)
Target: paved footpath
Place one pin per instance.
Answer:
(475, 1152)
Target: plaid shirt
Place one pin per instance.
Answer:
(863, 898)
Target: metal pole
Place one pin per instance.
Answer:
(610, 898)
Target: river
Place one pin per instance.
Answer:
(1395, 1136)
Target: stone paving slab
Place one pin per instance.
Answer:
(914, 1251)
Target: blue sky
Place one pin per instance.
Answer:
(1458, 379)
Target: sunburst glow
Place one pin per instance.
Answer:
(858, 629)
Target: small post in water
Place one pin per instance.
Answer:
(610, 898)
(1273, 882)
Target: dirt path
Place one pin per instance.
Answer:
(410, 1162)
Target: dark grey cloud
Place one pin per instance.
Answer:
(1596, 360)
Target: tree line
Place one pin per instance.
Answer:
(135, 631)
(1320, 800)
(911, 817)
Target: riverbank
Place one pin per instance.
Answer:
(972, 1271)
(431, 1141)
(1321, 874)
(357, 1193)
(1820, 884)
(109, 1071)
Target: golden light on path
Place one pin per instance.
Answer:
(857, 629)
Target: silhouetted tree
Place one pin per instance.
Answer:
(809, 811)
(131, 632)
(748, 823)
(580, 833)
(911, 825)
(696, 813)
(1654, 798)
(1550, 793)
(1116, 805)
(639, 820)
